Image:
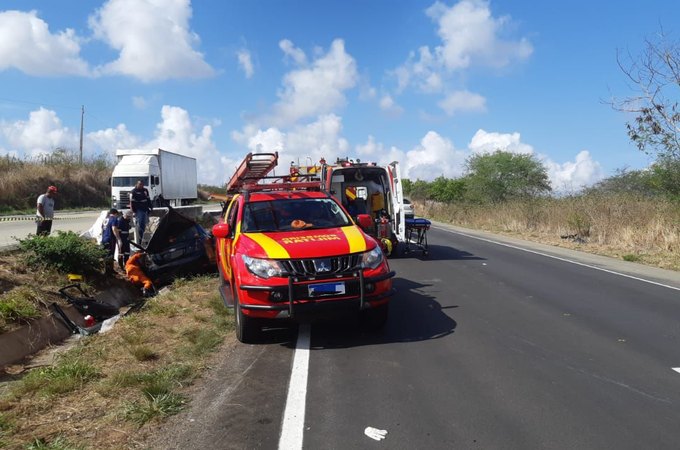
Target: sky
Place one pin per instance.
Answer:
(425, 83)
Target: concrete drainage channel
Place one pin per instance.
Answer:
(19, 344)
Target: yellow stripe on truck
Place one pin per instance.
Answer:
(273, 249)
(355, 239)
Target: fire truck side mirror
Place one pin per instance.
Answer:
(221, 230)
(365, 221)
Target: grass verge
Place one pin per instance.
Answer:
(111, 390)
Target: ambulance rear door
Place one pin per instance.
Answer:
(397, 198)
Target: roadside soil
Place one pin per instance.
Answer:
(111, 390)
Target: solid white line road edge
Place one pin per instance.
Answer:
(293, 424)
(558, 258)
(677, 369)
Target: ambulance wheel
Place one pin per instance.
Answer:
(248, 329)
(374, 319)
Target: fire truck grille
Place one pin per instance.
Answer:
(321, 266)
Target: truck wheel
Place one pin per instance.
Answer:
(374, 319)
(248, 329)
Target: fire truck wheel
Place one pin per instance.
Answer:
(374, 319)
(248, 329)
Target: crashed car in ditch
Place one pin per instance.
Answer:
(178, 247)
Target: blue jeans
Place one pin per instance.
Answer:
(141, 219)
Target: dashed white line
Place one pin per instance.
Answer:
(292, 428)
(677, 369)
(491, 241)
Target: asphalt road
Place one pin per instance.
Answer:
(12, 227)
(20, 227)
(487, 346)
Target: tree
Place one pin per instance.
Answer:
(655, 77)
(502, 176)
(446, 190)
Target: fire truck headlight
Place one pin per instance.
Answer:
(264, 268)
(372, 259)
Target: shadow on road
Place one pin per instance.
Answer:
(414, 316)
(441, 253)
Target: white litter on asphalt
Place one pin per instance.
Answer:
(375, 433)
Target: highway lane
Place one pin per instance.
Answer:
(486, 347)
(22, 226)
(491, 347)
(77, 222)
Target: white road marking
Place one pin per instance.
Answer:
(375, 433)
(292, 428)
(677, 369)
(560, 259)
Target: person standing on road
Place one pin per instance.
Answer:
(140, 203)
(121, 230)
(45, 213)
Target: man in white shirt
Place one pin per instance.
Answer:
(46, 211)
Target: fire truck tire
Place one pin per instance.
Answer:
(374, 319)
(248, 329)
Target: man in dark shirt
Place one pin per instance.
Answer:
(140, 204)
(121, 229)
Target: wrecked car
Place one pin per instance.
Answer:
(178, 247)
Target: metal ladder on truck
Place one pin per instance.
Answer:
(253, 168)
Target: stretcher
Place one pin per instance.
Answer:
(416, 235)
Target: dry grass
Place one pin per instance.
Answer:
(123, 382)
(22, 181)
(644, 230)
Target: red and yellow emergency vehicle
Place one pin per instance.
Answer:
(289, 250)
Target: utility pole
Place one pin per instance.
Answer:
(82, 116)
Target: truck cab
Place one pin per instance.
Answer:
(289, 250)
(171, 178)
(129, 170)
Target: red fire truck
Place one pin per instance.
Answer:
(287, 249)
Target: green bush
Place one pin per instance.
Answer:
(65, 251)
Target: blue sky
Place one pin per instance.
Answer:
(422, 82)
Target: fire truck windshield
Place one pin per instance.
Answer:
(294, 214)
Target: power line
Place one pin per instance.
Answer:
(27, 102)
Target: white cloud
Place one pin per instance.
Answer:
(485, 142)
(245, 62)
(41, 133)
(463, 101)
(572, 176)
(153, 38)
(433, 157)
(292, 52)
(388, 105)
(177, 133)
(470, 36)
(317, 88)
(111, 139)
(26, 44)
(306, 143)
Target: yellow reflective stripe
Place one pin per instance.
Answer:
(355, 239)
(271, 247)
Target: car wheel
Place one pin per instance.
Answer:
(374, 319)
(248, 329)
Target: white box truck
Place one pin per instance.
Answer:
(171, 178)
